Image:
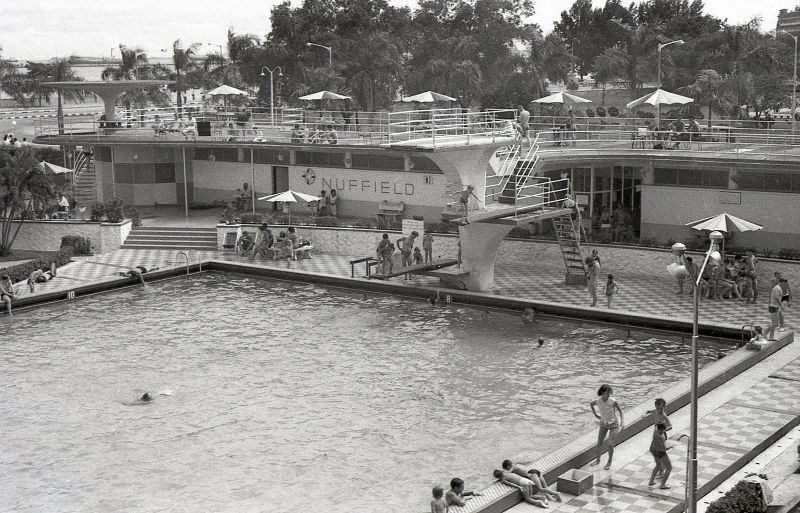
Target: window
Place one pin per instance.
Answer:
(706, 178)
(270, 156)
(424, 165)
(220, 154)
(102, 153)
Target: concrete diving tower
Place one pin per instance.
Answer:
(109, 91)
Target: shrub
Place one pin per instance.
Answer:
(601, 112)
(613, 112)
(590, 113)
(326, 221)
(250, 218)
(114, 212)
(21, 272)
(98, 212)
(80, 245)
(745, 497)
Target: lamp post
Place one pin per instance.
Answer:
(330, 52)
(272, 90)
(794, 83)
(660, 47)
(712, 255)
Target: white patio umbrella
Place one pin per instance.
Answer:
(563, 99)
(724, 223)
(289, 196)
(56, 170)
(324, 95)
(656, 99)
(226, 90)
(428, 97)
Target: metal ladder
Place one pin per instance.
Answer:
(568, 228)
(186, 254)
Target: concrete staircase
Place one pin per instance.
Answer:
(141, 237)
(85, 185)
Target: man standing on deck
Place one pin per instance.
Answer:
(523, 122)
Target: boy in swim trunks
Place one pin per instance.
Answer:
(525, 485)
(6, 291)
(658, 448)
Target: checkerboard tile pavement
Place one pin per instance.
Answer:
(739, 428)
(790, 371)
(606, 500)
(635, 475)
(774, 394)
(646, 295)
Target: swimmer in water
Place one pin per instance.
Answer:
(138, 272)
(528, 315)
(146, 397)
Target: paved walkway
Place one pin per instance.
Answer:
(733, 421)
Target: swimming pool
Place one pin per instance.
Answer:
(277, 394)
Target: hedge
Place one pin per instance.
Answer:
(745, 497)
(80, 245)
(21, 272)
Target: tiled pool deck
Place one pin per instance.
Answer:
(736, 420)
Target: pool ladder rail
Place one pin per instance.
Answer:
(187, 254)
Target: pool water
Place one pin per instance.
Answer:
(284, 397)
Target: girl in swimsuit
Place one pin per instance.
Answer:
(607, 407)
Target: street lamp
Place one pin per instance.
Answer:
(272, 89)
(660, 47)
(794, 82)
(330, 52)
(713, 256)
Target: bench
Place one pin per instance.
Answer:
(389, 213)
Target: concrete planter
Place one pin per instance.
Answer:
(46, 235)
(575, 482)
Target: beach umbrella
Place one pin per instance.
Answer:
(428, 97)
(324, 95)
(563, 99)
(289, 196)
(64, 202)
(656, 99)
(724, 223)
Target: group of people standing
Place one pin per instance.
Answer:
(410, 255)
(327, 204)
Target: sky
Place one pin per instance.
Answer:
(41, 29)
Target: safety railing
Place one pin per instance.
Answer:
(540, 192)
(445, 126)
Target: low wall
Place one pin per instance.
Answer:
(46, 235)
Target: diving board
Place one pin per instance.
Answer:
(416, 269)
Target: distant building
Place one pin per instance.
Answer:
(789, 21)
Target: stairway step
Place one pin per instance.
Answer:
(169, 244)
(172, 229)
(165, 246)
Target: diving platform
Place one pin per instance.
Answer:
(416, 269)
(499, 213)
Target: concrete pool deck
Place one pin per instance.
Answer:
(725, 411)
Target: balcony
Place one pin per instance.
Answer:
(420, 129)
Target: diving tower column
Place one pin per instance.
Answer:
(479, 244)
(466, 166)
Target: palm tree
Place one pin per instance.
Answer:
(23, 183)
(710, 89)
(182, 60)
(12, 82)
(60, 70)
(453, 70)
(133, 63)
(633, 58)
